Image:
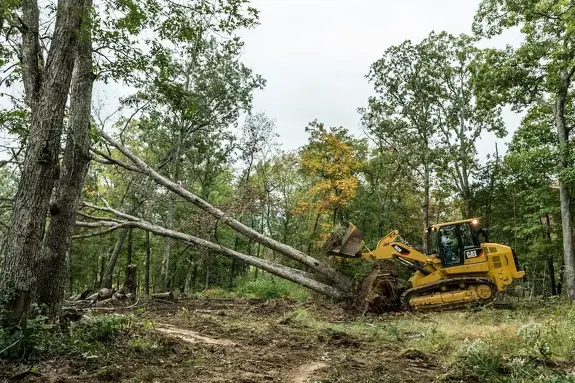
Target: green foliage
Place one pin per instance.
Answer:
(27, 339)
(264, 287)
(100, 329)
(270, 288)
(480, 359)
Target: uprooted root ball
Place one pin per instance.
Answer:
(379, 291)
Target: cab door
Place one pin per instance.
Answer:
(472, 251)
(450, 250)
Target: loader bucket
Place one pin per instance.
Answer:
(347, 245)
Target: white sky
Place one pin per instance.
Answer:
(315, 54)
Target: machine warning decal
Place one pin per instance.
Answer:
(400, 249)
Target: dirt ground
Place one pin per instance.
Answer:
(236, 341)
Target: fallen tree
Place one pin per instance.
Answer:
(129, 221)
(340, 283)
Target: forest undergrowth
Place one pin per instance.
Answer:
(256, 340)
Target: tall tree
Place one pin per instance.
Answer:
(46, 83)
(461, 121)
(53, 261)
(403, 112)
(539, 71)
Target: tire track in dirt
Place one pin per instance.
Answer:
(304, 372)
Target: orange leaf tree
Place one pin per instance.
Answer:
(331, 162)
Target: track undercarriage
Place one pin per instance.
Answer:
(449, 294)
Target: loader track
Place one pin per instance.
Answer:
(435, 287)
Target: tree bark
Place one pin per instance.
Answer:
(170, 217)
(131, 285)
(130, 248)
(331, 274)
(109, 271)
(47, 93)
(552, 275)
(168, 242)
(564, 192)
(147, 276)
(53, 262)
(281, 271)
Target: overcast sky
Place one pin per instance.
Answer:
(315, 54)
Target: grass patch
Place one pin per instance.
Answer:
(521, 345)
(265, 287)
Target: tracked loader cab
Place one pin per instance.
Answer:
(456, 243)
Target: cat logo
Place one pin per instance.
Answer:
(471, 254)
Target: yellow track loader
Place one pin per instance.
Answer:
(458, 270)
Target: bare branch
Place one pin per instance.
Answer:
(111, 210)
(288, 251)
(273, 268)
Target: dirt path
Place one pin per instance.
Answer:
(304, 372)
(192, 336)
(221, 341)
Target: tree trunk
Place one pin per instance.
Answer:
(333, 275)
(195, 277)
(560, 283)
(54, 260)
(165, 269)
(188, 283)
(425, 208)
(131, 285)
(551, 275)
(109, 271)
(310, 244)
(129, 248)
(207, 264)
(564, 192)
(279, 270)
(46, 93)
(147, 276)
(168, 242)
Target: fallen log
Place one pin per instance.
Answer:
(105, 302)
(93, 297)
(105, 293)
(169, 296)
(271, 267)
(119, 296)
(342, 283)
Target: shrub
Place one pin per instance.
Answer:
(24, 339)
(270, 288)
(100, 328)
(478, 358)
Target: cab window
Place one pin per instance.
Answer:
(449, 253)
(467, 239)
